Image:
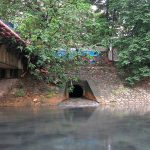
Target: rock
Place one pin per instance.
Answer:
(35, 100)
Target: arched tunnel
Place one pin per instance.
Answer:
(76, 92)
(81, 89)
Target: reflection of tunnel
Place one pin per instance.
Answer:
(77, 91)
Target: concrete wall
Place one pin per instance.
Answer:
(88, 93)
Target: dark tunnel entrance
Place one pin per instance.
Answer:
(77, 91)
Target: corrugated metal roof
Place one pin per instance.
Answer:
(7, 32)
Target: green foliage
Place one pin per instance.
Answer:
(47, 26)
(20, 93)
(98, 31)
(133, 42)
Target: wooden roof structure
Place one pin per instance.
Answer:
(8, 33)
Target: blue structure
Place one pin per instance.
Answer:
(61, 53)
(90, 56)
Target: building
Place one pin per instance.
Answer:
(11, 58)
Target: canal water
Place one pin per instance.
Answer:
(73, 129)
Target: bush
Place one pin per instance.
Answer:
(20, 93)
(135, 59)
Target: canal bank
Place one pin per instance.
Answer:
(108, 90)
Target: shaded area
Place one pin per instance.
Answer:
(2, 73)
(77, 91)
(81, 89)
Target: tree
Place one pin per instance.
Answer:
(49, 25)
(131, 29)
(129, 23)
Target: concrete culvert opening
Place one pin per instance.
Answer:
(77, 91)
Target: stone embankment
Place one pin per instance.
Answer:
(103, 81)
(109, 89)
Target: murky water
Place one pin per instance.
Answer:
(73, 129)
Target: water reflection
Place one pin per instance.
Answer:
(73, 129)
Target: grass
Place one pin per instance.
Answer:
(20, 93)
(50, 93)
